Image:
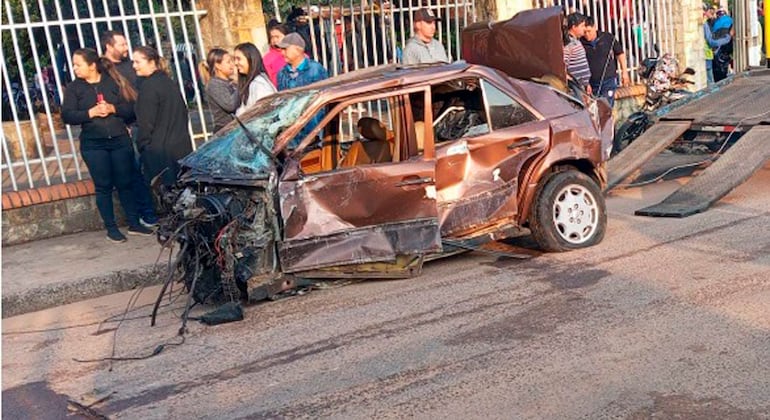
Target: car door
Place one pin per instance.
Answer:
(371, 204)
(478, 172)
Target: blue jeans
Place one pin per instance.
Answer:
(111, 165)
(606, 89)
(710, 71)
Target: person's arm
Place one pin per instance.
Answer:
(146, 111)
(70, 114)
(715, 43)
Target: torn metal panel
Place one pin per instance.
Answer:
(508, 45)
(364, 245)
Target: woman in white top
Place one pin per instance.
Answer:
(253, 83)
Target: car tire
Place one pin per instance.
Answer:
(568, 212)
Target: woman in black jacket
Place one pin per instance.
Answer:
(100, 101)
(161, 114)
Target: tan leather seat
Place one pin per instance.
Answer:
(375, 148)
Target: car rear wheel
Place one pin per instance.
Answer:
(569, 212)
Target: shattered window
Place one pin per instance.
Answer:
(458, 110)
(232, 154)
(504, 112)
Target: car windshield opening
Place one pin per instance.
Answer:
(231, 154)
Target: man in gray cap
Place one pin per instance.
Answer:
(299, 70)
(422, 47)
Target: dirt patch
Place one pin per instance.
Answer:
(576, 279)
(686, 407)
(540, 319)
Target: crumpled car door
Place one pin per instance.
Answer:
(359, 214)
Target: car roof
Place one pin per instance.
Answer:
(384, 76)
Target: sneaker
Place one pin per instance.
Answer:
(150, 222)
(114, 235)
(140, 231)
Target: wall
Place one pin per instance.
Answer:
(230, 22)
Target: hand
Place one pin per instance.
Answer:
(589, 90)
(625, 80)
(108, 108)
(98, 111)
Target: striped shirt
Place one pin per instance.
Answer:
(576, 61)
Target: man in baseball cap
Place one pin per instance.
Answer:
(422, 47)
(299, 70)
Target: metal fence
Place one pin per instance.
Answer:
(638, 25)
(347, 35)
(38, 38)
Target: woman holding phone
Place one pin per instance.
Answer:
(100, 100)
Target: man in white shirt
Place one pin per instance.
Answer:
(422, 47)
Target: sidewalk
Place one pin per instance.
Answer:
(52, 272)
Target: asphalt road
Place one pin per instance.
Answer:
(667, 318)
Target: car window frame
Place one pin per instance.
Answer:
(341, 105)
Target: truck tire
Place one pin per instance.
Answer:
(568, 212)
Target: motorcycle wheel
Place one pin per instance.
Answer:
(627, 133)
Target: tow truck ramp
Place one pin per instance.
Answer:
(733, 168)
(641, 150)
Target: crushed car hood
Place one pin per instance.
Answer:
(527, 46)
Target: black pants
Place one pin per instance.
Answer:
(144, 203)
(112, 166)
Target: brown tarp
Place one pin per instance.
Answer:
(529, 45)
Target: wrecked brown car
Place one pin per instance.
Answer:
(373, 173)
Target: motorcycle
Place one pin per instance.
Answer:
(664, 86)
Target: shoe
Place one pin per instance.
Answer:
(140, 231)
(114, 235)
(150, 222)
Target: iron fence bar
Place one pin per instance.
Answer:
(188, 52)
(17, 126)
(43, 93)
(177, 67)
(94, 29)
(158, 43)
(124, 23)
(139, 18)
(201, 54)
(7, 164)
(25, 85)
(60, 84)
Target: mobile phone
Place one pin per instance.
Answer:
(99, 98)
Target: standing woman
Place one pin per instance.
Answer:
(221, 92)
(100, 101)
(161, 115)
(253, 82)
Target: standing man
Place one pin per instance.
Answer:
(422, 47)
(574, 53)
(115, 49)
(604, 53)
(299, 70)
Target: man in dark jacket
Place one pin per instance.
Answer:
(604, 53)
(115, 49)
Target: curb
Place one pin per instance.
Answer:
(58, 294)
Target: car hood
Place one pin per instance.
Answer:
(526, 46)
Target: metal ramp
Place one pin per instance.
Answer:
(732, 169)
(641, 150)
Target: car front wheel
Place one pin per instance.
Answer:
(569, 212)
